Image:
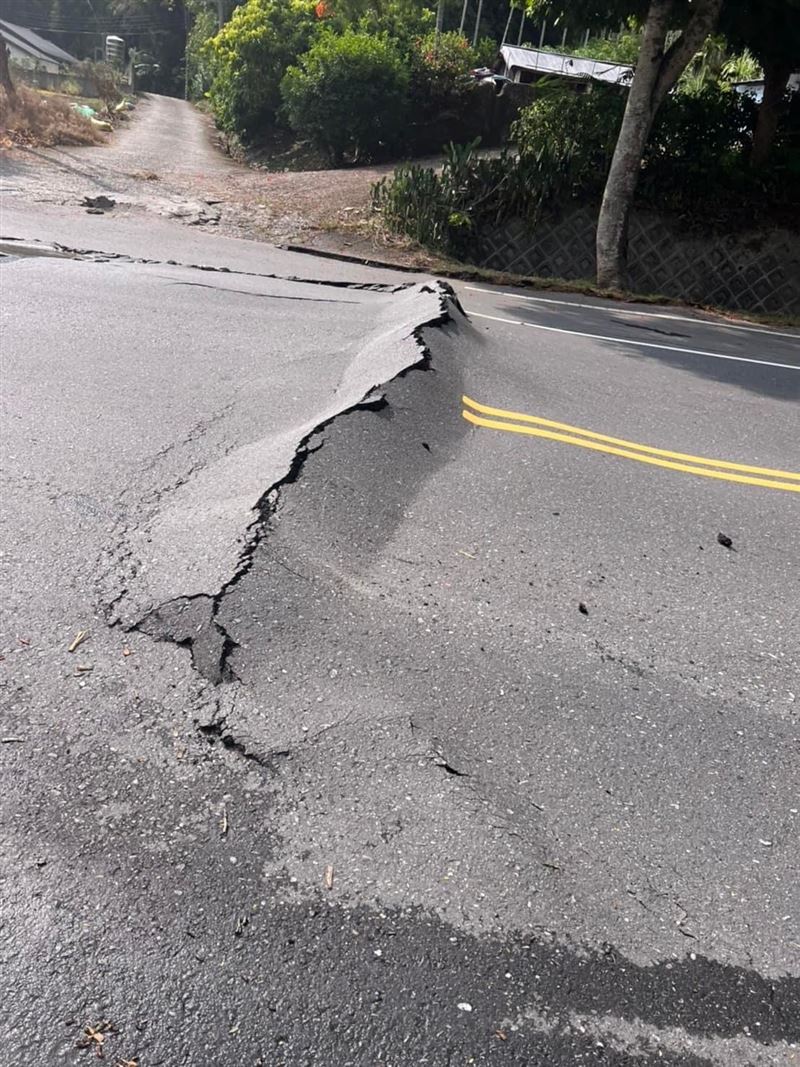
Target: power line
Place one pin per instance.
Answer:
(109, 31)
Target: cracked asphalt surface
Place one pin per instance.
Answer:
(341, 773)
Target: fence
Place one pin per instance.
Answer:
(756, 271)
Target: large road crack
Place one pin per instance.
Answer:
(193, 622)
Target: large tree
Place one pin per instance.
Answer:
(771, 30)
(672, 32)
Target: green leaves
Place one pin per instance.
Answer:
(248, 58)
(348, 94)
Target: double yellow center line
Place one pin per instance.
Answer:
(531, 425)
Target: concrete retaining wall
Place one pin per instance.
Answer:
(755, 271)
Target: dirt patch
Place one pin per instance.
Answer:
(33, 120)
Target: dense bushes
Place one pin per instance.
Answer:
(348, 94)
(695, 167)
(344, 76)
(248, 58)
(438, 69)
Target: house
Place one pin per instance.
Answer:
(530, 64)
(27, 49)
(755, 89)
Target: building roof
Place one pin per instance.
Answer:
(37, 47)
(565, 66)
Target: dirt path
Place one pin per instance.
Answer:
(166, 161)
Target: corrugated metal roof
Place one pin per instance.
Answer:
(38, 47)
(565, 66)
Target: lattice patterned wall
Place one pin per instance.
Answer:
(753, 272)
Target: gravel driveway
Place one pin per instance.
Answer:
(168, 161)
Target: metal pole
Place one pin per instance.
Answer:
(477, 23)
(508, 23)
(544, 30)
(521, 27)
(463, 16)
(439, 19)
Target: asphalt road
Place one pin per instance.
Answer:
(421, 717)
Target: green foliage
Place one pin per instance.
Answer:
(566, 140)
(695, 167)
(486, 52)
(348, 95)
(449, 210)
(402, 20)
(743, 67)
(620, 48)
(438, 71)
(248, 58)
(199, 72)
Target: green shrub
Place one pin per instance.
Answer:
(438, 71)
(566, 139)
(348, 95)
(695, 168)
(248, 58)
(402, 20)
(449, 210)
(199, 73)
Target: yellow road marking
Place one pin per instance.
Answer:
(483, 409)
(534, 427)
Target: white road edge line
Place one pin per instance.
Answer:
(764, 331)
(635, 344)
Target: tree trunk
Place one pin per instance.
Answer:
(769, 112)
(656, 73)
(5, 74)
(612, 224)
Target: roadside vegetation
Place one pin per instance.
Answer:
(696, 167)
(357, 84)
(31, 118)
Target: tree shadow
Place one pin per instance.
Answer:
(774, 382)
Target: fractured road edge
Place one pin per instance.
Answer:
(192, 621)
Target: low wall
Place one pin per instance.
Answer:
(54, 82)
(755, 271)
